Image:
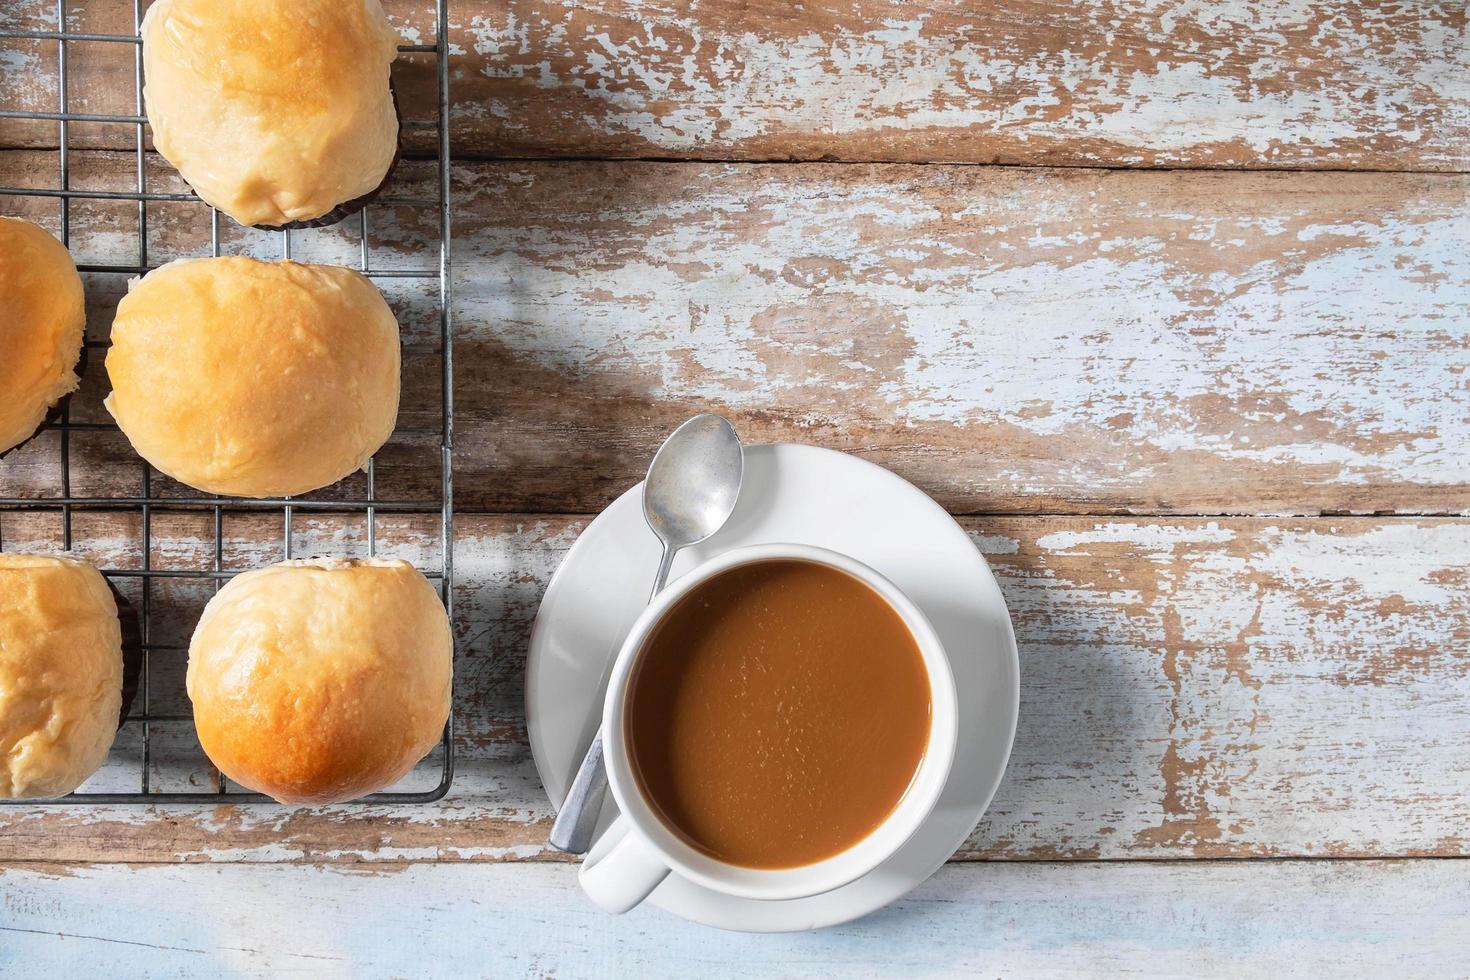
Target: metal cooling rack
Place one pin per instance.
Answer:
(148, 502)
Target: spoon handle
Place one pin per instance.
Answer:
(662, 576)
(576, 821)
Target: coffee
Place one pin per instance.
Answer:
(778, 714)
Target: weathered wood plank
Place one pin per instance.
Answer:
(1229, 919)
(1341, 84)
(1190, 688)
(1013, 341)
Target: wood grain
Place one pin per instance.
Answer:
(1012, 341)
(1191, 688)
(1341, 84)
(1062, 341)
(1226, 919)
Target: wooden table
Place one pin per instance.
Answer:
(1168, 302)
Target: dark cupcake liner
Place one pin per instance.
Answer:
(55, 413)
(132, 646)
(347, 209)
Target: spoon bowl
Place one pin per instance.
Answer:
(692, 485)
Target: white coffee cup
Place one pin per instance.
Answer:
(646, 851)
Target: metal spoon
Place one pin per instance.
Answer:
(688, 495)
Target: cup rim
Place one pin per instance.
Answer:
(863, 856)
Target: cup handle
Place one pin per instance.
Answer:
(626, 874)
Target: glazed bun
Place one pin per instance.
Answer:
(42, 318)
(254, 379)
(274, 111)
(61, 672)
(321, 681)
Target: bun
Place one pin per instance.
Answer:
(61, 672)
(42, 319)
(321, 681)
(254, 379)
(274, 111)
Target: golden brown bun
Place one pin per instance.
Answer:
(42, 317)
(61, 667)
(274, 111)
(254, 379)
(321, 681)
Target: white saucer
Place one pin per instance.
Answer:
(810, 496)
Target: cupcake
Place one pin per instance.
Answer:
(276, 112)
(69, 649)
(254, 379)
(42, 321)
(321, 681)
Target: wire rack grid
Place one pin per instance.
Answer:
(147, 502)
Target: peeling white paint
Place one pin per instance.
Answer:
(1127, 338)
(1354, 562)
(680, 82)
(994, 544)
(1150, 537)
